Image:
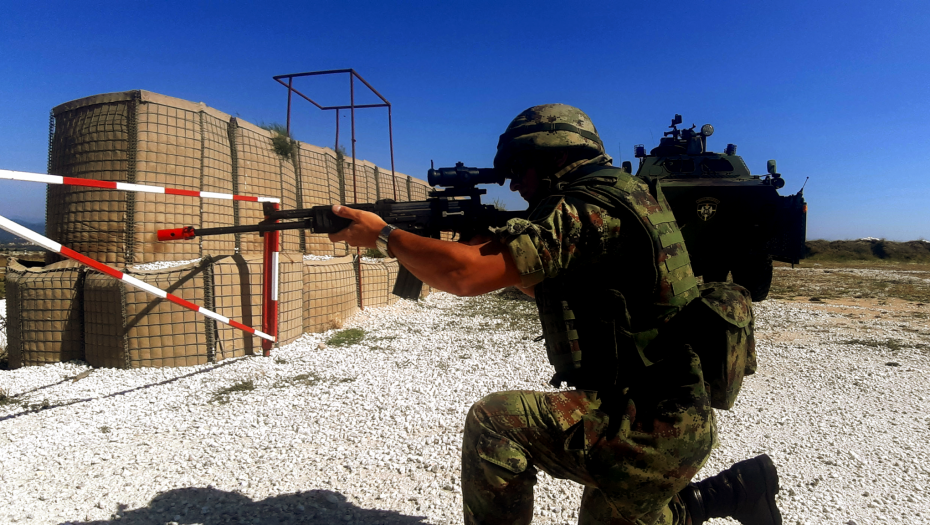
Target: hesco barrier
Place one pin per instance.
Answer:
(320, 185)
(258, 170)
(217, 177)
(237, 283)
(128, 328)
(44, 313)
(378, 281)
(330, 293)
(146, 138)
(141, 137)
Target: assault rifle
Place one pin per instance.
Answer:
(456, 207)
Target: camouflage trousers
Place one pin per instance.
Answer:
(633, 452)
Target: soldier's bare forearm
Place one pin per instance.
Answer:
(460, 269)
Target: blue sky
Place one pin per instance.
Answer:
(835, 91)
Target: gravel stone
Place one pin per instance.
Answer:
(371, 433)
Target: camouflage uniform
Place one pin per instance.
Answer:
(639, 424)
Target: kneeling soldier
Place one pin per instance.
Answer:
(604, 258)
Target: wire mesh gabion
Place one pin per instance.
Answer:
(44, 313)
(146, 138)
(330, 293)
(128, 328)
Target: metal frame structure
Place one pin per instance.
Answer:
(351, 107)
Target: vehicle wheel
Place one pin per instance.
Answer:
(755, 276)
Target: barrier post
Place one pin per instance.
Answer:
(270, 272)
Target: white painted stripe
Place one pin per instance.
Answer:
(125, 186)
(145, 286)
(31, 177)
(263, 335)
(214, 315)
(211, 195)
(274, 275)
(26, 233)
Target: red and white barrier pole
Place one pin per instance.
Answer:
(53, 246)
(272, 249)
(125, 186)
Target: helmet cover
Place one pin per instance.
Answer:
(548, 127)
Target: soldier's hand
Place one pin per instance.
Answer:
(364, 230)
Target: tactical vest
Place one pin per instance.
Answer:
(599, 317)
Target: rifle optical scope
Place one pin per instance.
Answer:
(463, 176)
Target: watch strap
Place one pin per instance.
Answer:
(382, 241)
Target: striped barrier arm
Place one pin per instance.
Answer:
(125, 186)
(53, 246)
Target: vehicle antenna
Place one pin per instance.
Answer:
(801, 191)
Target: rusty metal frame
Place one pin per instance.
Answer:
(289, 84)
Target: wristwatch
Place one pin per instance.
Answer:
(382, 242)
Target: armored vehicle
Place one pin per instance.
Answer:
(731, 220)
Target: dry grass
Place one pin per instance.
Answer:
(222, 395)
(868, 250)
(860, 280)
(346, 337)
(6, 398)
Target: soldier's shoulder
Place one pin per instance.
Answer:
(547, 207)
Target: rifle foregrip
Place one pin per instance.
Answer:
(407, 285)
(325, 221)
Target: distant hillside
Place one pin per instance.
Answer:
(7, 237)
(869, 250)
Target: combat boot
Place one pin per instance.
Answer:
(746, 492)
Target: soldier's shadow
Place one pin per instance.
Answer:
(208, 506)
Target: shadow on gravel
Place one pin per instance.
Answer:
(207, 506)
(31, 409)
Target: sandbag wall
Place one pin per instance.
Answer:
(62, 311)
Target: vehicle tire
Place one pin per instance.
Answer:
(756, 276)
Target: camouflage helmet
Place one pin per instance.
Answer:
(548, 127)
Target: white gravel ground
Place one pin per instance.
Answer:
(371, 433)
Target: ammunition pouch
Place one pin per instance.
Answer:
(719, 328)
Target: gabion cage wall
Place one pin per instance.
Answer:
(128, 328)
(92, 142)
(238, 295)
(378, 281)
(146, 138)
(259, 170)
(44, 321)
(319, 183)
(217, 169)
(330, 293)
